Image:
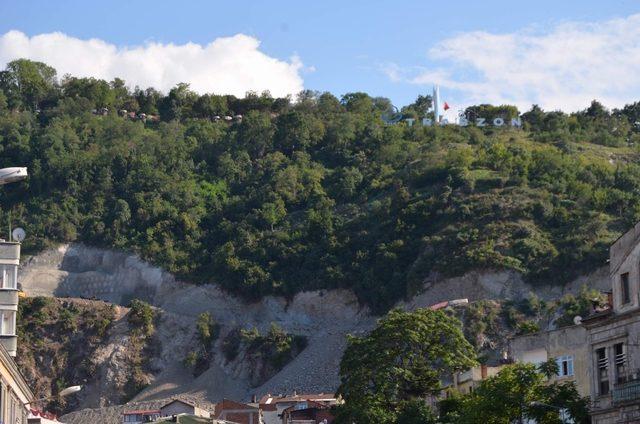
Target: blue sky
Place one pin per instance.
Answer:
(392, 49)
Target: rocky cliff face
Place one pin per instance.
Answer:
(324, 317)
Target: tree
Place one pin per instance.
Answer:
(399, 362)
(520, 392)
(26, 83)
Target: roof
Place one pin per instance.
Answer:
(311, 404)
(185, 419)
(227, 404)
(191, 404)
(142, 411)
(270, 399)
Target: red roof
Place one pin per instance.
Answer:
(231, 404)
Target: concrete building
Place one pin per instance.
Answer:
(9, 261)
(467, 381)
(140, 416)
(237, 412)
(566, 345)
(614, 338)
(178, 406)
(15, 395)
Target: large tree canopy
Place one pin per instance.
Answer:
(400, 362)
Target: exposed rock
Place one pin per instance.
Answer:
(324, 317)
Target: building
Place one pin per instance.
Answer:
(468, 381)
(566, 345)
(614, 338)
(190, 419)
(40, 417)
(310, 413)
(179, 406)
(9, 261)
(140, 416)
(237, 412)
(272, 407)
(15, 395)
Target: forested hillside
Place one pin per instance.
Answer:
(312, 192)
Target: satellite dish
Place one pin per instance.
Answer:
(577, 320)
(18, 234)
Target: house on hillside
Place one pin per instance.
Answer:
(140, 416)
(237, 412)
(272, 407)
(311, 412)
(179, 406)
(613, 340)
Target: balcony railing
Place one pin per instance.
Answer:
(626, 392)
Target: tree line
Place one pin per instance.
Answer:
(313, 192)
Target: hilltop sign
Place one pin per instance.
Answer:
(463, 122)
(393, 116)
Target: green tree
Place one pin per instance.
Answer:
(520, 392)
(400, 361)
(26, 83)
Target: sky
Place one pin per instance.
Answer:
(558, 54)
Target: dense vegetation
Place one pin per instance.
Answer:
(264, 353)
(57, 339)
(387, 374)
(313, 193)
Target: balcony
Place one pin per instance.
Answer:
(626, 392)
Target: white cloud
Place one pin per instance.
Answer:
(227, 65)
(564, 67)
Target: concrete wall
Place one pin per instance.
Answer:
(537, 348)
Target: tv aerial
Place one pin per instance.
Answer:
(18, 234)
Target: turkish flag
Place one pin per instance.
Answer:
(446, 106)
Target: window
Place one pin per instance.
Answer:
(620, 359)
(625, 296)
(565, 365)
(7, 323)
(603, 371)
(8, 276)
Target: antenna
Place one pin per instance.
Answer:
(577, 320)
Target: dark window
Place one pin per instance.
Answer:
(624, 288)
(603, 371)
(621, 362)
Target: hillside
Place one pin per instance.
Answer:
(314, 194)
(501, 305)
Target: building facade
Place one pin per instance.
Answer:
(237, 412)
(15, 395)
(614, 338)
(467, 381)
(178, 406)
(567, 346)
(9, 261)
